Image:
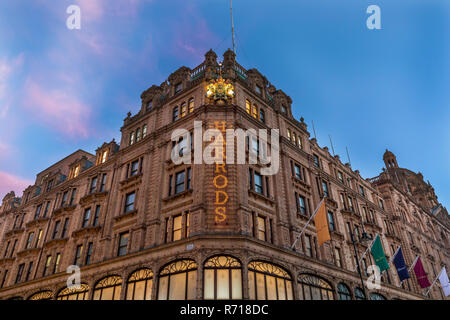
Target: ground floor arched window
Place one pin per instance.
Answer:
(222, 278)
(108, 288)
(139, 285)
(80, 293)
(314, 288)
(41, 295)
(359, 294)
(267, 281)
(178, 281)
(377, 296)
(344, 292)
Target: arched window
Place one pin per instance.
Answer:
(262, 115)
(223, 278)
(139, 285)
(41, 295)
(191, 105)
(175, 114)
(183, 109)
(248, 106)
(131, 138)
(344, 292)
(359, 294)
(178, 281)
(108, 288)
(314, 288)
(376, 296)
(81, 293)
(144, 131)
(269, 282)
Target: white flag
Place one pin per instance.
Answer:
(443, 279)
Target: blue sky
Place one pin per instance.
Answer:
(61, 90)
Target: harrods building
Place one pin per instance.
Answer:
(140, 226)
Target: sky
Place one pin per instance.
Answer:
(370, 90)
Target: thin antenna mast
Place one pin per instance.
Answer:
(314, 129)
(332, 148)
(348, 156)
(232, 25)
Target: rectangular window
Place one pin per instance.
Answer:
(337, 253)
(297, 170)
(47, 207)
(325, 189)
(65, 226)
(178, 87)
(331, 221)
(20, 272)
(30, 268)
(86, 217)
(38, 211)
(49, 185)
(64, 198)
(188, 217)
(188, 180)
(316, 160)
(72, 197)
(93, 185)
(361, 191)
(134, 168)
(176, 228)
(48, 261)
(308, 248)
(5, 274)
(350, 204)
(13, 248)
(89, 253)
(302, 205)
(56, 267)
(129, 202)
(78, 253)
(381, 204)
(103, 183)
(123, 244)
(96, 216)
(258, 183)
(6, 250)
(38, 238)
(29, 240)
(262, 228)
(56, 229)
(179, 182)
(340, 177)
(170, 185)
(341, 196)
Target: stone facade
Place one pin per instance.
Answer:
(126, 188)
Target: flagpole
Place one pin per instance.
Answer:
(414, 263)
(304, 228)
(434, 281)
(392, 259)
(365, 252)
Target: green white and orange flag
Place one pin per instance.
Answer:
(321, 223)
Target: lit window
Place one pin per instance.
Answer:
(268, 282)
(47, 265)
(104, 156)
(178, 281)
(248, 106)
(255, 111)
(108, 288)
(261, 228)
(223, 278)
(81, 293)
(289, 134)
(176, 228)
(42, 295)
(314, 288)
(56, 267)
(123, 244)
(191, 105)
(183, 109)
(139, 285)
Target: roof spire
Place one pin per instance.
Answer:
(232, 26)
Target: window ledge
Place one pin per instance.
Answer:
(63, 209)
(261, 196)
(86, 230)
(27, 252)
(14, 232)
(91, 196)
(178, 195)
(131, 181)
(55, 242)
(37, 221)
(126, 215)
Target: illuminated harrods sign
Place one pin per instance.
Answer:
(220, 180)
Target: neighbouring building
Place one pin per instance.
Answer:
(142, 227)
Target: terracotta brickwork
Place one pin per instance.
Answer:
(169, 211)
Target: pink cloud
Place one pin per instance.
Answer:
(58, 109)
(9, 182)
(93, 10)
